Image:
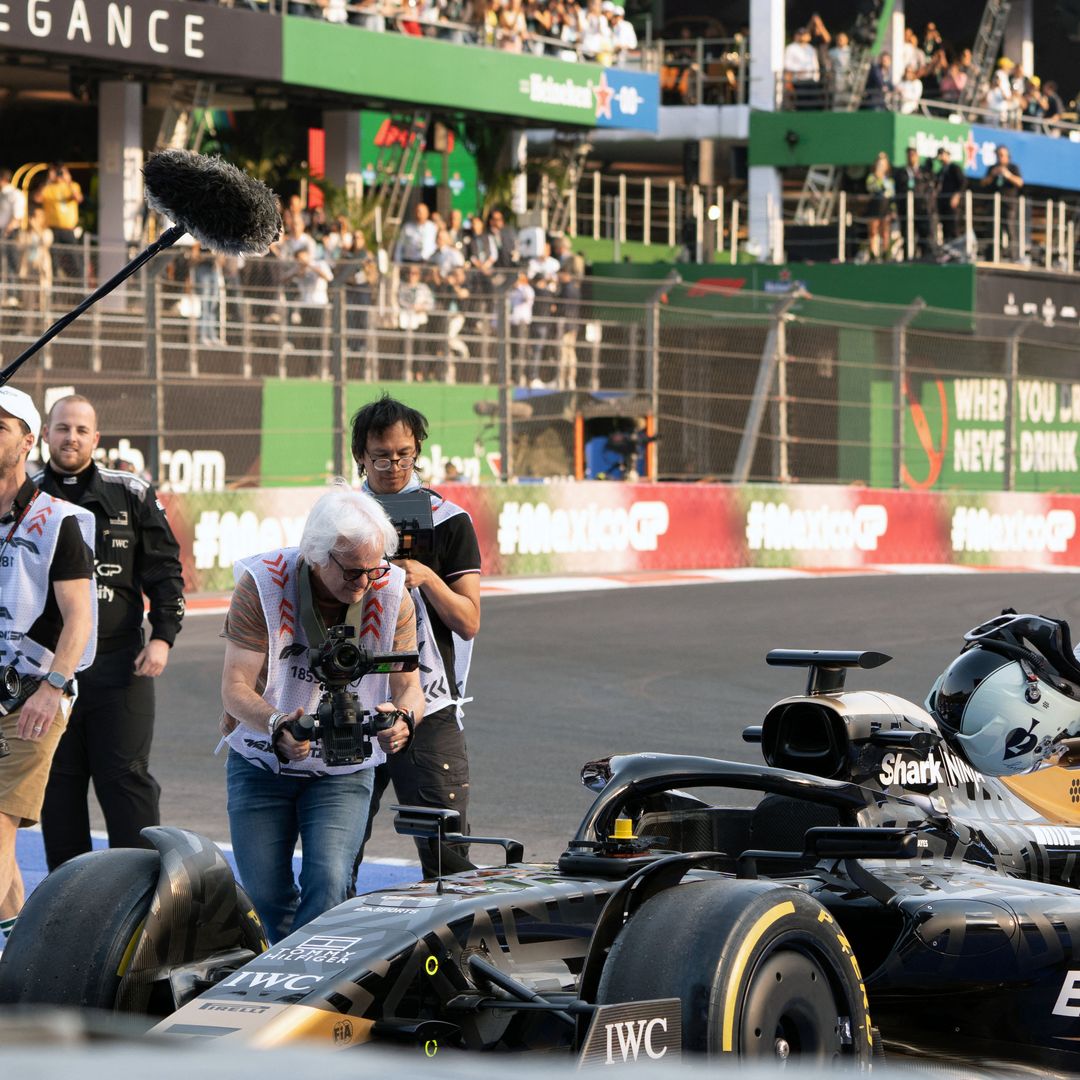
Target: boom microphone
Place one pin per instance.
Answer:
(222, 207)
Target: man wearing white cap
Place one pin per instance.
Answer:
(622, 32)
(48, 615)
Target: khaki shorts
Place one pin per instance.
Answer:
(25, 771)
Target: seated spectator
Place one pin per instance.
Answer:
(596, 41)
(909, 91)
(415, 300)
(953, 83)
(511, 30)
(447, 256)
(416, 242)
(802, 74)
(623, 35)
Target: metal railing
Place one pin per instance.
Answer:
(741, 386)
(703, 71)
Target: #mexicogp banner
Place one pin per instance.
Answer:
(612, 528)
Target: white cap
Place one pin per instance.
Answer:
(607, 5)
(21, 406)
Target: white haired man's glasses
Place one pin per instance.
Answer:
(373, 573)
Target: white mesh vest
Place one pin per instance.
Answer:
(24, 583)
(438, 689)
(289, 684)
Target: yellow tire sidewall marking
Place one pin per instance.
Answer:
(775, 913)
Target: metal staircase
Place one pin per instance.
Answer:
(395, 172)
(984, 51)
(568, 162)
(183, 123)
(817, 200)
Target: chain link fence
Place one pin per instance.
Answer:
(738, 386)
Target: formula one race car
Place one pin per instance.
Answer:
(878, 875)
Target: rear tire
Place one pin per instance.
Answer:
(78, 929)
(763, 972)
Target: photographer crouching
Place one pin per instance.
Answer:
(317, 690)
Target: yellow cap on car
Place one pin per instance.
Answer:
(624, 829)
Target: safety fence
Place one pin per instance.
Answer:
(661, 379)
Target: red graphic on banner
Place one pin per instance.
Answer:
(935, 456)
(390, 134)
(706, 286)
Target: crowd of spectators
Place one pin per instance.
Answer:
(913, 211)
(927, 70)
(596, 30)
(439, 286)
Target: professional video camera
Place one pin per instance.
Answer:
(410, 513)
(339, 725)
(14, 690)
(629, 445)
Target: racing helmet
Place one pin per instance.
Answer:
(1007, 701)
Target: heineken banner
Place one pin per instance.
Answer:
(612, 528)
(400, 68)
(968, 433)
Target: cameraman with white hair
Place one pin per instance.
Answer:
(279, 787)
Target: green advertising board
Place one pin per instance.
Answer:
(803, 139)
(966, 434)
(379, 131)
(298, 425)
(438, 74)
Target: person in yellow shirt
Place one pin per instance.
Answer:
(60, 198)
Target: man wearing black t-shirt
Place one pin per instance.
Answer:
(1004, 178)
(48, 612)
(386, 440)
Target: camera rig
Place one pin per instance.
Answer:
(410, 514)
(344, 730)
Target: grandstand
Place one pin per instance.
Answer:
(691, 188)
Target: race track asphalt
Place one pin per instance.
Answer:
(561, 678)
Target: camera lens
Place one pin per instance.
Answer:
(347, 657)
(10, 683)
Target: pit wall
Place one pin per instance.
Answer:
(604, 528)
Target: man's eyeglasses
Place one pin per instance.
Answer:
(385, 464)
(373, 573)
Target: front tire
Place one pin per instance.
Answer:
(763, 971)
(78, 929)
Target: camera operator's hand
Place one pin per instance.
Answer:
(417, 574)
(288, 747)
(396, 738)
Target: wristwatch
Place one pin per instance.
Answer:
(57, 680)
(273, 720)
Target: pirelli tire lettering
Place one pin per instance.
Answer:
(763, 970)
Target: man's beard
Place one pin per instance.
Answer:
(9, 461)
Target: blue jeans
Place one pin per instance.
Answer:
(267, 813)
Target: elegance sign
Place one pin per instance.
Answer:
(156, 33)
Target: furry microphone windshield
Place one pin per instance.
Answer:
(223, 208)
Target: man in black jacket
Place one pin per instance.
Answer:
(108, 738)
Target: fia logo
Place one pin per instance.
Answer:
(343, 1033)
